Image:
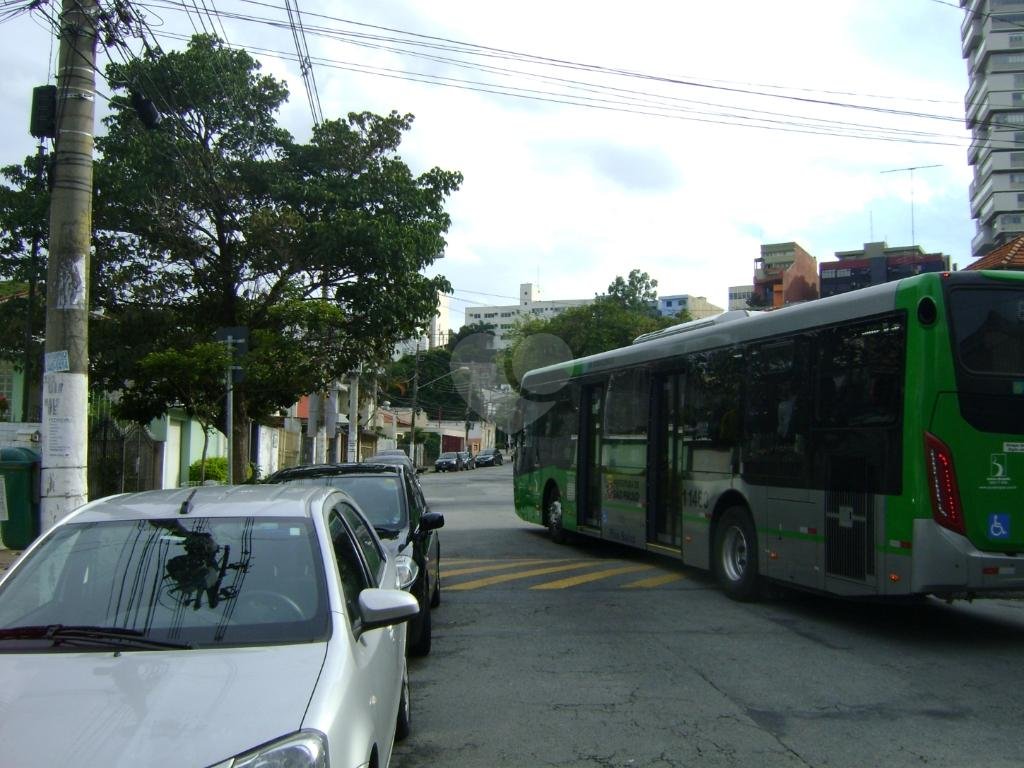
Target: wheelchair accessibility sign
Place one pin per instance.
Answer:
(998, 526)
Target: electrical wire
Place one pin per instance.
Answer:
(621, 100)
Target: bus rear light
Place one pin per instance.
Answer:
(895, 577)
(946, 507)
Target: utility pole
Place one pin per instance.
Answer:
(353, 416)
(66, 361)
(415, 397)
(913, 237)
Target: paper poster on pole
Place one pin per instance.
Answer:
(65, 403)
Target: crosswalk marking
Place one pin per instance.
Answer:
(505, 577)
(586, 578)
(492, 566)
(493, 571)
(654, 581)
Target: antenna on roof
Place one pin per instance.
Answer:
(186, 505)
(913, 238)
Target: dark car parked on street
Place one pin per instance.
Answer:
(468, 461)
(390, 497)
(489, 457)
(450, 461)
(392, 457)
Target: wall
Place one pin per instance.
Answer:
(20, 435)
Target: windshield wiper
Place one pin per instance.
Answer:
(61, 633)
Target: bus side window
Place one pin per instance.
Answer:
(777, 409)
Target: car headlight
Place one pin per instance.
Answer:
(305, 749)
(407, 571)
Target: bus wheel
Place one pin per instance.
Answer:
(553, 514)
(735, 556)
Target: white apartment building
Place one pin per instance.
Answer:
(992, 35)
(435, 335)
(530, 304)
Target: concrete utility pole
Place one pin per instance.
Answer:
(415, 404)
(66, 362)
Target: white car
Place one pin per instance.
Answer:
(220, 626)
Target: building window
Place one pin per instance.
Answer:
(1017, 179)
(1017, 159)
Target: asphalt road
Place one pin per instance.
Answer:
(592, 655)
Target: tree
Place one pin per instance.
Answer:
(609, 322)
(438, 393)
(192, 379)
(24, 235)
(217, 218)
(637, 293)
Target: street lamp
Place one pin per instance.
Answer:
(415, 394)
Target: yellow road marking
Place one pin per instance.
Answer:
(502, 578)
(493, 566)
(654, 581)
(588, 577)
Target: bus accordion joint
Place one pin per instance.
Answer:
(946, 507)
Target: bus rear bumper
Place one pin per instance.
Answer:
(947, 564)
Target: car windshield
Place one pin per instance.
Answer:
(193, 582)
(379, 496)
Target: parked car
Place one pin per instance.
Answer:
(450, 461)
(392, 457)
(219, 625)
(390, 497)
(489, 457)
(468, 461)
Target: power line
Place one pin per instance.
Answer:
(809, 124)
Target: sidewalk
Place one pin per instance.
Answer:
(7, 556)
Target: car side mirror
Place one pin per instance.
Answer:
(385, 607)
(429, 521)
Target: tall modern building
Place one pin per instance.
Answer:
(993, 45)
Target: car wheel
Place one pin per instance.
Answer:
(403, 725)
(435, 599)
(422, 645)
(735, 555)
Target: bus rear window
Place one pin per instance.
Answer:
(988, 324)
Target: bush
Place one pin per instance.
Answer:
(216, 470)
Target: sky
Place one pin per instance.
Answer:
(598, 137)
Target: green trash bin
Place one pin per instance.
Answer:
(19, 478)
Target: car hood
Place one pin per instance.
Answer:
(157, 709)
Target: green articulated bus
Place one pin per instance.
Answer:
(866, 444)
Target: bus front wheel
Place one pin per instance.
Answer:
(553, 517)
(735, 556)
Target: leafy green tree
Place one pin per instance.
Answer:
(610, 321)
(440, 392)
(637, 293)
(217, 218)
(192, 379)
(24, 235)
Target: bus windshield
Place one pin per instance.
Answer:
(989, 329)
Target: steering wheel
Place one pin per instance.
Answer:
(274, 602)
